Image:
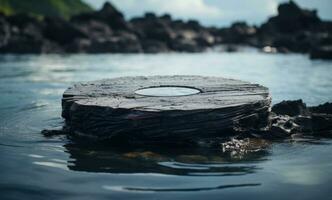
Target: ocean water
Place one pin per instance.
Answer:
(33, 166)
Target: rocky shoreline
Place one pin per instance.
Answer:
(106, 31)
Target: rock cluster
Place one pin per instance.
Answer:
(294, 117)
(106, 31)
(297, 30)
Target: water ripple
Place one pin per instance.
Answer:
(198, 189)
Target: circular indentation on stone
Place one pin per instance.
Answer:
(167, 91)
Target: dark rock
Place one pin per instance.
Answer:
(326, 26)
(292, 18)
(61, 31)
(316, 121)
(80, 45)
(290, 108)
(293, 29)
(304, 124)
(283, 50)
(166, 17)
(150, 15)
(186, 45)
(231, 48)
(297, 30)
(193, 25)
(21, 20)
(154, 46)
(178, 35)
(177, 24)
(23, 34)
(282, 126)
(122, 43)
(104, 37)
(325, 108)
(21, 45)
(299, 42)
(322, 123)
(25, 26)
(238, 33)
(94, 29)
(108, 14)
(204, 39)
(292, 11)
(322, 52)
(4, 31)
(153, 28)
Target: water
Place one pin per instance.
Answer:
(167, 91)
(36, 167)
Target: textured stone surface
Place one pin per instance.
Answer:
(293, 117)
(110, 109)
(290, 108)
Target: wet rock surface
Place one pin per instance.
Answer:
(290, 108)
(107, 31)
(294, 117)
(110, 111)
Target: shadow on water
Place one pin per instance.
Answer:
(182, 189)
(162, 160)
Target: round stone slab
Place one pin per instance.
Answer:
(126, 109)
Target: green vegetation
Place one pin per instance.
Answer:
(40, 8)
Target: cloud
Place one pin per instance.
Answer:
(208, 12)
(212, 12)
(179, 8)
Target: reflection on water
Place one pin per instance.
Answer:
(189, 162)
(38, 167)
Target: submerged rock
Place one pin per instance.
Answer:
(240, 147)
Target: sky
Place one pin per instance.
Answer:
(213, 12)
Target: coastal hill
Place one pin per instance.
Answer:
(293, 29)
(52, 8)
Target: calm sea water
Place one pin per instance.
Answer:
(36, 167)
